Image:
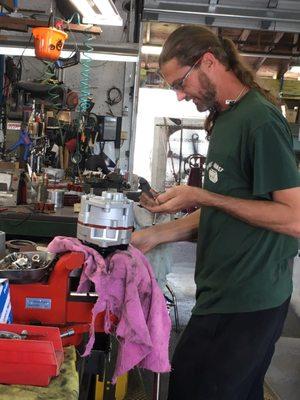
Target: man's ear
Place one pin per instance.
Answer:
(209, 59)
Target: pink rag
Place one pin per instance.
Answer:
(127, 288)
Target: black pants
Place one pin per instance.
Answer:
(225, 356)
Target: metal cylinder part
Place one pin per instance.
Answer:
(56, 197)
(17, 245)
(105, 220)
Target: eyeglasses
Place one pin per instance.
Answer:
(179, 83)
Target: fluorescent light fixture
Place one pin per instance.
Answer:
(110, 57)
(295, 69)
(98, 12)
(29, 52)
(16, 51)
(155, 50)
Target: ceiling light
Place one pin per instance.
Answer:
(155, 50)
(98, 12)
(295, 69)
(16, 51)
(22, 51)
(110, 57)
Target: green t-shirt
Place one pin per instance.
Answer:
(240, 267)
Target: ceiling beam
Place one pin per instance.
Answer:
(295, 43)
(242, 16)
(272, 4)
(244, 35)
(24, 24)
(266, 24)
(212, 6)
(283, 67)
(243, 38)
(268, 50)
(148, 32)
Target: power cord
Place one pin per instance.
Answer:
(113, 97)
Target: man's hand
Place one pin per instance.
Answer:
(144, 239)
(175, 199)
(174, 231)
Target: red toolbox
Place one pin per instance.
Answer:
(34, 358)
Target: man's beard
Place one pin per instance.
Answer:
(208, 98)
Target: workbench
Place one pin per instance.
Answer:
(24, 221)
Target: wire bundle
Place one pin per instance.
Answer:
(113, 97)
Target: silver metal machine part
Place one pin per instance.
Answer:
(105, 220)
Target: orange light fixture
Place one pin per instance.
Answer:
(48, 42)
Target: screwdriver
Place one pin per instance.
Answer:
(146, 188)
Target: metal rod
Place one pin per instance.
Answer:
(281, 56)
(135, 103)
(180, 154)
(156, 386)
(214, 14)
(245, 8)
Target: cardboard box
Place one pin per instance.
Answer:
(291, 115)
(5, 304)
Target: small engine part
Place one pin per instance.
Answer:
(105, 220)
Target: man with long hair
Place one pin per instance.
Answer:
(246, 227)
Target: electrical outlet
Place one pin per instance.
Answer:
(124, 135)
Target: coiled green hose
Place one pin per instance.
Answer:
(84, 98)
(50, 78)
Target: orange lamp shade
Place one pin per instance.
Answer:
(48, 42)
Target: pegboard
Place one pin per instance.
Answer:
(103, 76)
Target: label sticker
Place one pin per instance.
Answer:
(35, 302)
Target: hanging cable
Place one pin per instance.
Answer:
(113, 97)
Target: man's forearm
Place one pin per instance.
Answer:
(183, 229)
(270, 215)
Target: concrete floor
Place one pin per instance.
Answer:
(284, 372)
(283, 377)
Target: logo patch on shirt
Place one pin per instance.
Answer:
(213, 175)
(214, 169)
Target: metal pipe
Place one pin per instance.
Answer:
(135, 103)
(295, 56)
(180, 154)
(214, 14)
(238, 7)
(278, 56)
(156, 386)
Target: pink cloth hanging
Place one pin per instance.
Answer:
(126, 287)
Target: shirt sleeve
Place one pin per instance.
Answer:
(273, 159)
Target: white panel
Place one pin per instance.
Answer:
(156, 103)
